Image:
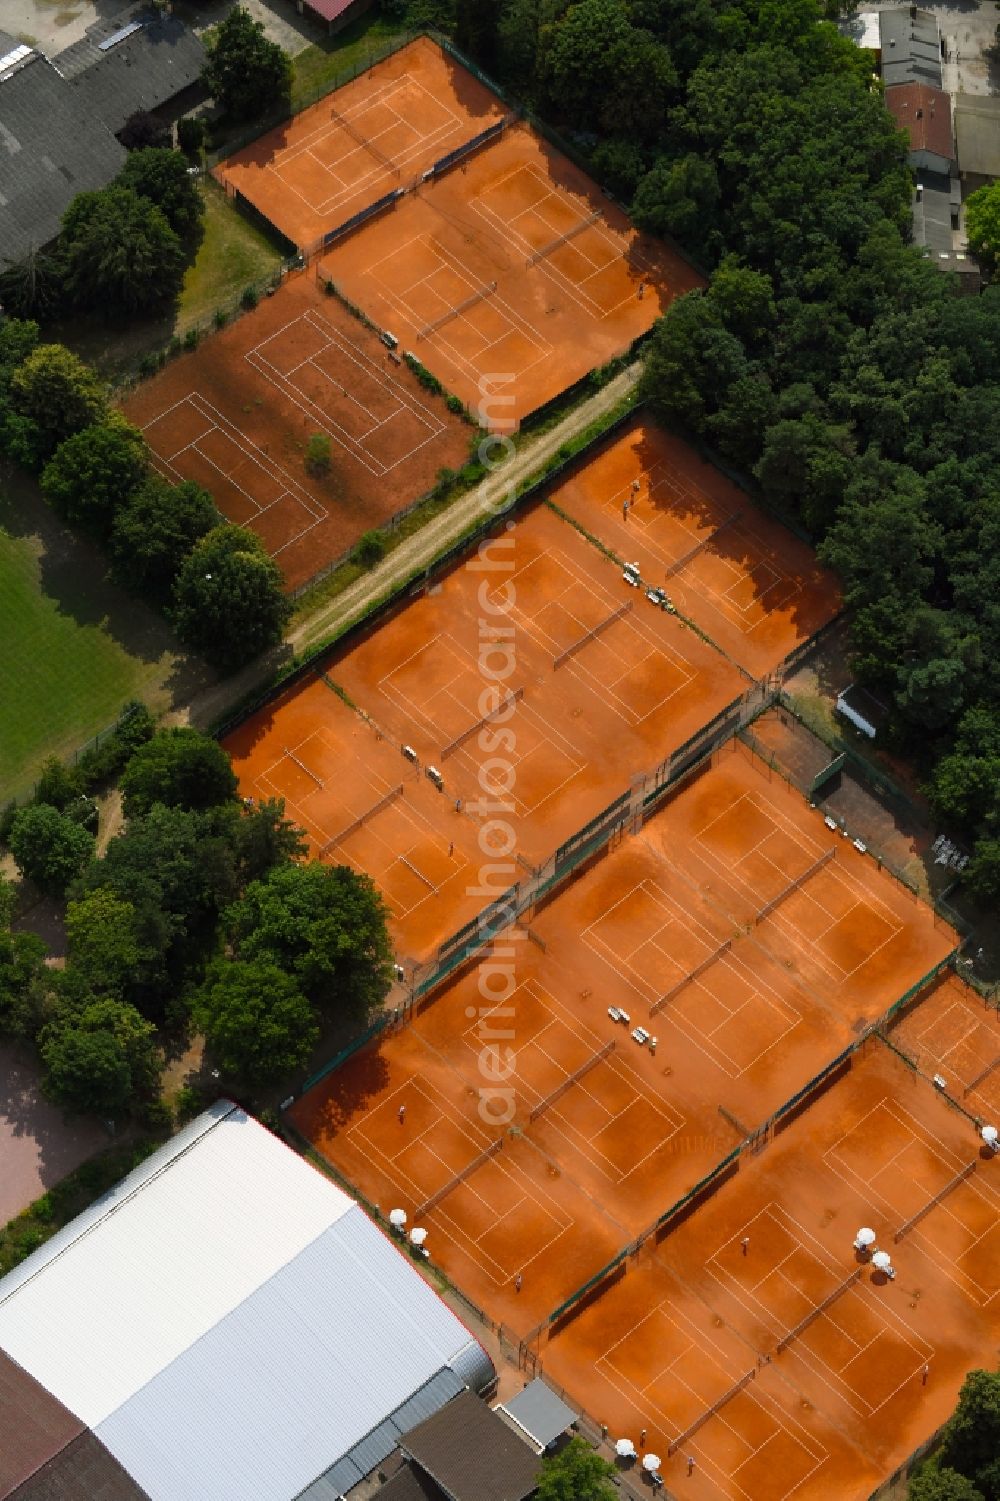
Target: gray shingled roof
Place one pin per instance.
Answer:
(911, 48)
(49, 152)
(140, 71)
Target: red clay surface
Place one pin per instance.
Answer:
(311, 174)
(857, 937)
(525, 316)
(846, 1401)
(748, 582)
(621, 703)
(640, 1127)
(236, 414)
(331, 767)
(953, 1032)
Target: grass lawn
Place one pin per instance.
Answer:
(324, 65)
(232, 254)
(75, 648)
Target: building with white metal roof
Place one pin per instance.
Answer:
(228, 1323)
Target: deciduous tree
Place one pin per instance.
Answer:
(93, 474)
(326, 925)
(229, 603)
(120, 253)
(247, 74)
(162, 176)
(155, 530)
(49, 848)
(258, 1025)
(180, 768)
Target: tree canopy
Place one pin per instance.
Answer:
(100, 1058)
(576, 1473)
(58, 393)
(119, 252)
(162, 176)
(180, 768)
(324, 925)
(49, 847)
(155, 529)
(257, 1023)
(982, 224)
(229, 603)
(248, 74)
(92, 474)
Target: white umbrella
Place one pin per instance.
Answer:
(397, 1218)
(882, 1260)
(865, 1236)
(625, 1449)
(418, 1236)
(651, 1462)
(990, 1135)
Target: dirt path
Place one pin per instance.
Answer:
(213, 702)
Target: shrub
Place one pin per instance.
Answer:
(191, 338)
(370, 549)
(318, 455)
(249, 298)
(190, 134)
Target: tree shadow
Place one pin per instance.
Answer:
(58, 1142)
(73, 574)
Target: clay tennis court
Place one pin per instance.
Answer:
(333, 771)
(757, 852)
(514, 274)
(623, 1125)
(344, 153)
(594, 684)
(743, 578)
(827, 1374)
(954, 1033)
(237, 413)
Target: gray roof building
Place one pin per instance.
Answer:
(537, 1414)
(911, 47)
(49, 152)
(136, 60)
(58, 118)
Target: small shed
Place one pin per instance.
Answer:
(538, 1415)
(862, 710)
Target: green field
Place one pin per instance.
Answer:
(74, 649)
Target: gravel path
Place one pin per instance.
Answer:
(215, 701)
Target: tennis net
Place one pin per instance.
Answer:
(459, 1177)
(686, 980)
(814, 1313)
(467, 734)
(363, 140)
(982, 1076)
(786, 891)
(595, 631)
(703, 1417)
(552, 245)
(681, 563)
(570, 1080)
(383, 802)
(479, 295)
(960, 1177)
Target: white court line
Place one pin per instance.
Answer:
(950, 1161)
(892, 1322)
(637, 1397)
(354, 356)
(251, 451)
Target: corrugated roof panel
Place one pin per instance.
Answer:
(302, 1373)
(181, 1243)
(428, 1400)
